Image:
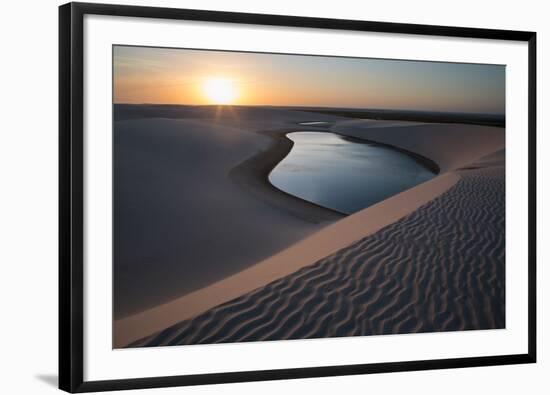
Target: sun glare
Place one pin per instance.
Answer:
(220, 90)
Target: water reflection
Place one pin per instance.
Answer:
(343, 174)
(313, 123)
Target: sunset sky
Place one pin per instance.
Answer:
(181, 76)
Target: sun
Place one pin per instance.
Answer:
(220, 90)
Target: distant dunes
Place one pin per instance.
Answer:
(440, 268)
(428, 259)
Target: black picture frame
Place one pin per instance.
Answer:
(71, 223)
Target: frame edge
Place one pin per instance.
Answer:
(300, 21)
(70, 266)
(71, 378)
(64, 362)
(532, 192)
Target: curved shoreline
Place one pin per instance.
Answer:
(253, 176)
(424, 161)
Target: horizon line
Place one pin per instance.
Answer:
(313, 107)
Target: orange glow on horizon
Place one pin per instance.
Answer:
(196, 77)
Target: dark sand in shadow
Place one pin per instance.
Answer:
(369, 271)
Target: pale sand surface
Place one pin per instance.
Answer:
(449, 145)
(460, 146)
(440, 268)
(303, 253)
(181, 188)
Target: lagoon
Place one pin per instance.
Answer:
(346, 174)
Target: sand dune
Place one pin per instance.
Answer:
(437, 269)
(303, 253)
(449, 145)
(389, 247)
(175, 194)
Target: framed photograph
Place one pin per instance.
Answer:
(257, 197)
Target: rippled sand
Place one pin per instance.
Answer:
(428, 259)
(441, 268)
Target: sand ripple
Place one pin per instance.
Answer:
(440, 268)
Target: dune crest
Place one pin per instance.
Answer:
(438, 269)
(420, 209)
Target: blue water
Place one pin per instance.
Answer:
(343, 174)
(312, 123)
